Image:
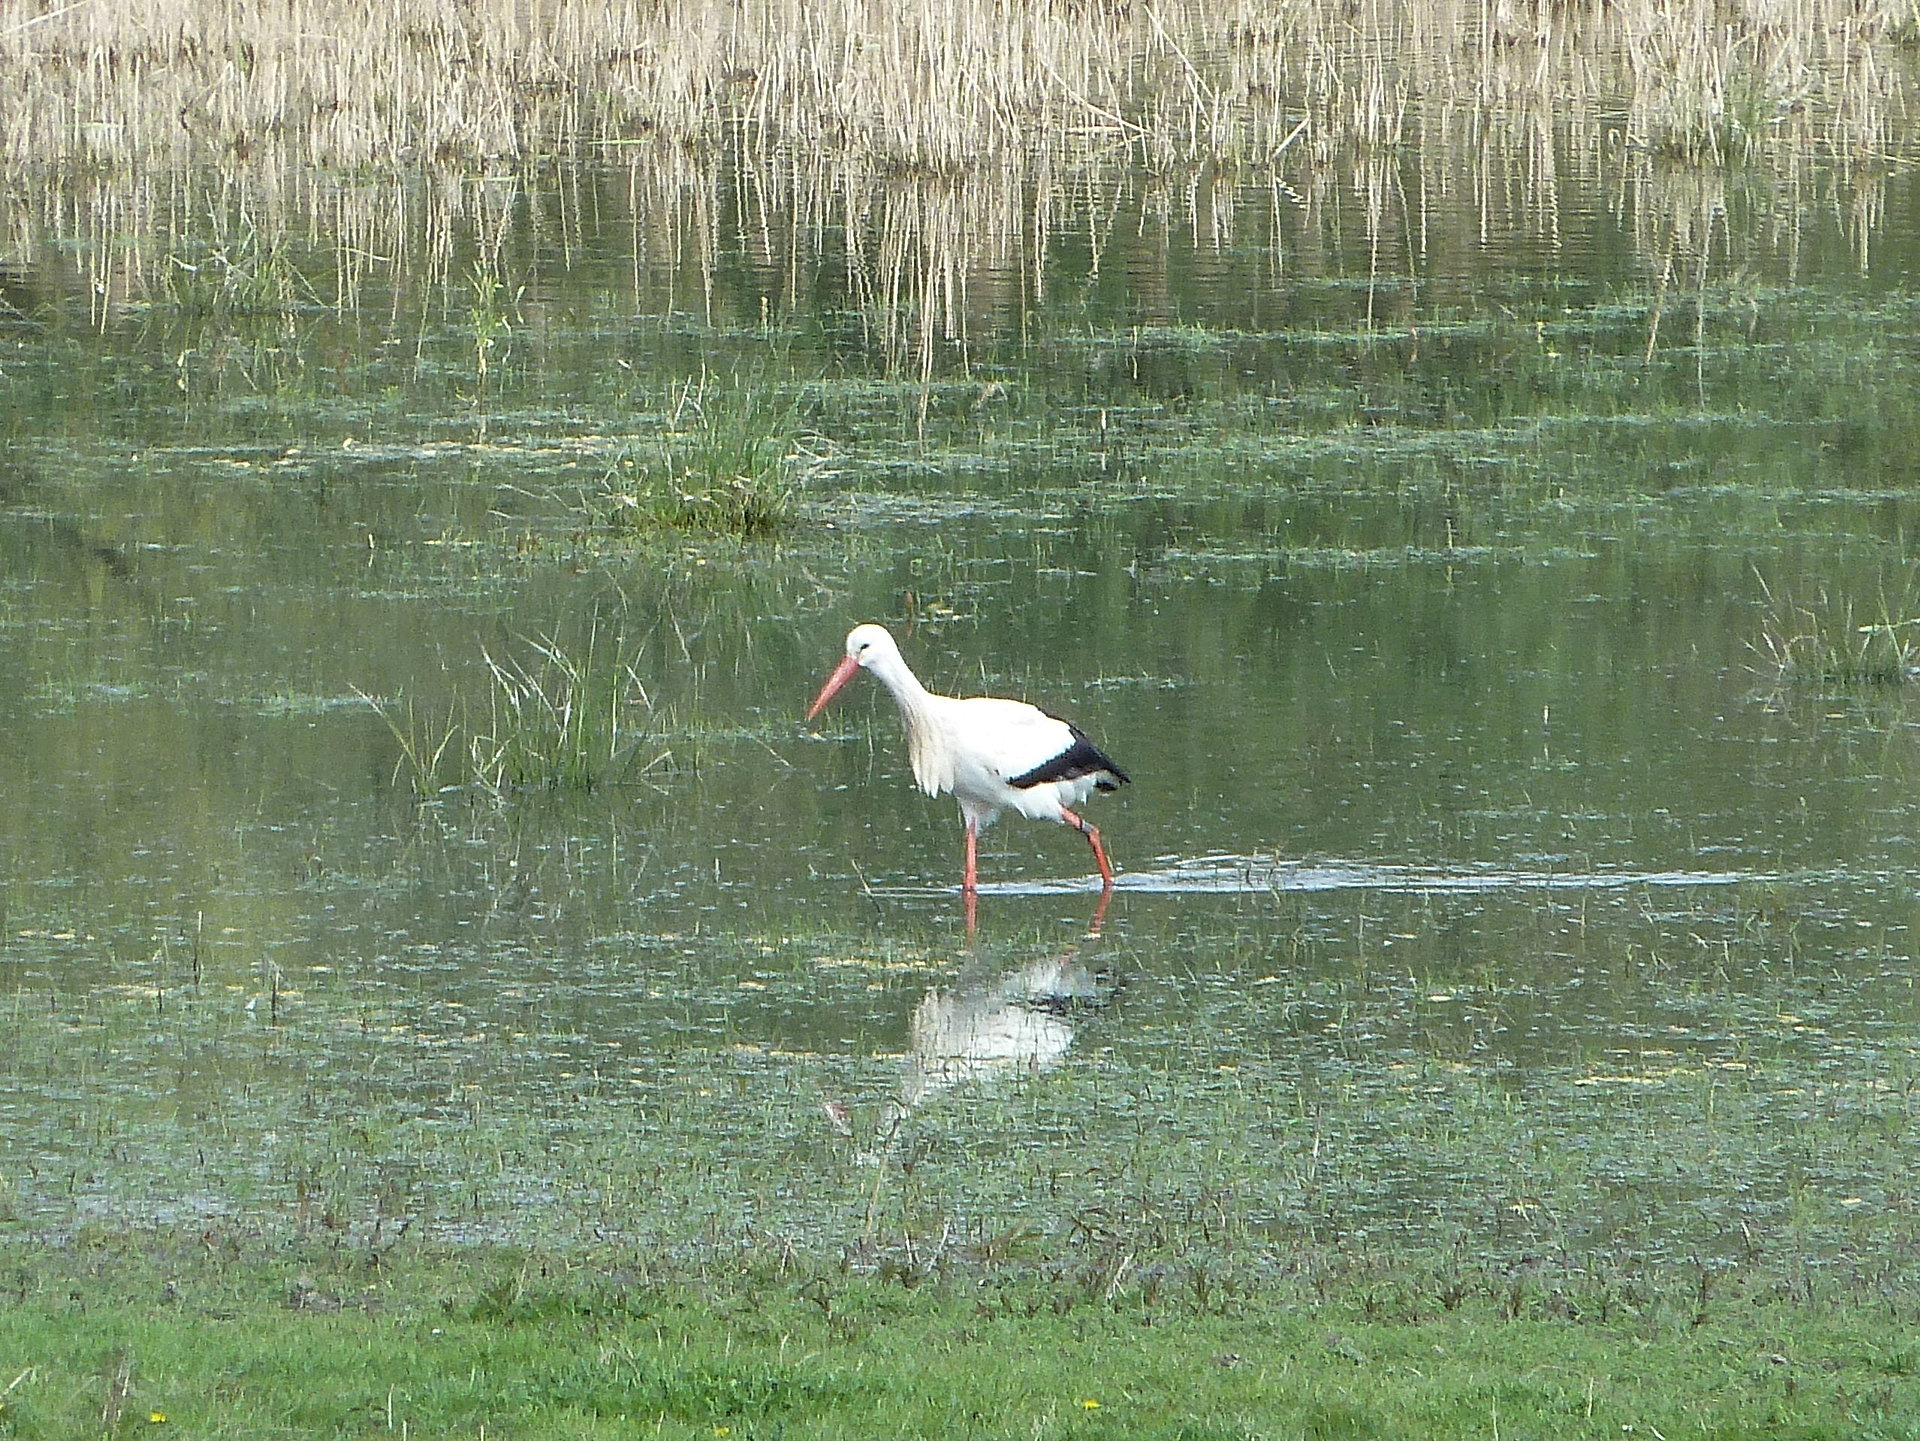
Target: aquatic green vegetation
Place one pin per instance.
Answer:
(727, 462)
(238, 270)
(1828, 639)
(564, 719)
(1372, 557)
(559, 719)
(423, 740)
(488, 322)
(1285, 1090)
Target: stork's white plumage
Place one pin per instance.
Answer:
(993, 755)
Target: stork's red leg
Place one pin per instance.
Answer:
(1092, 833)
(970, 883)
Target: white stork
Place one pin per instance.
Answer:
(993, 755)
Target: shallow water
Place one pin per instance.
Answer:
(1429, 607)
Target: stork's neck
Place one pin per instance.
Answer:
(915, 700)
(929, 747)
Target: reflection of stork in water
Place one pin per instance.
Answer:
(986, 1026)
(993, 755)
(1022, 1021)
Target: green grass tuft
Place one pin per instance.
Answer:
(560, 720)
(424, 742)
(241, 271)
(1823, 641)
(727, 464)
(557, 719)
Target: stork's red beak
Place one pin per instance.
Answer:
(842, 673)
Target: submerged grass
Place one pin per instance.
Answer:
(1199, 1135)
(239, 271)
(424, 742)
(1328, 1206)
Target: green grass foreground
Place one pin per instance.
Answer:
(206, 1336)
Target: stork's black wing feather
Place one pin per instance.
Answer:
(1082, 758)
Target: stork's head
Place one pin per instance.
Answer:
(867, 646)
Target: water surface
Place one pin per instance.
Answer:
(1433, 595)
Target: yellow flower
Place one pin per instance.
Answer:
(158, 1418)
(1089, 1404)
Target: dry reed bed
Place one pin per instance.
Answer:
(944, 136)
(939, 87)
